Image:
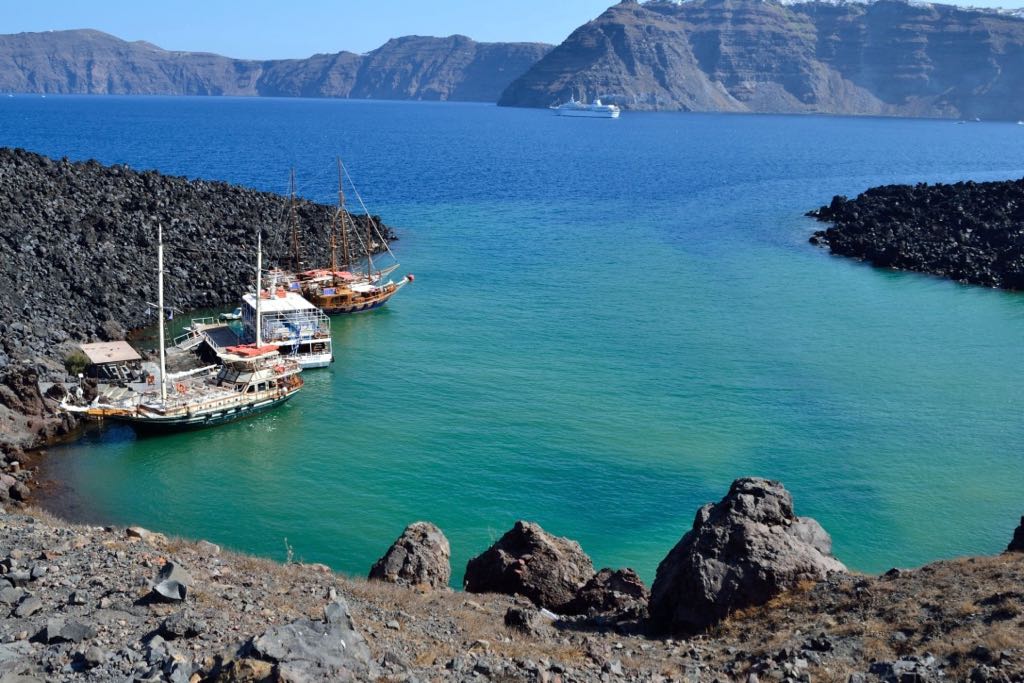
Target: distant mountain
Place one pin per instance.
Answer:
(414, 67)
(887, 57)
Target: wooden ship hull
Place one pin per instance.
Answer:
(145, 425)
(342, 300)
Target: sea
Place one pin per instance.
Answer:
(611, 320)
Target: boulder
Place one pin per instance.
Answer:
(527, 619)
(331, 649)
(616, 594)
(421, 556)
(1017, 544)
(740, 552)
(172, 582)
(530, 562)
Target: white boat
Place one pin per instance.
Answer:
(299, 329)
(1020, 123)
(233, 315)
(595, 109)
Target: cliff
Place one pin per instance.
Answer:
(414, 67)
(886, 57)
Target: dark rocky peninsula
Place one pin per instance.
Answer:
(412, 67)
(886, 57)
(109, 603)
(969, 232)
(78, 244)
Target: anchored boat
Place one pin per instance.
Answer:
(347, 288)
(251, 379)
(300, 329)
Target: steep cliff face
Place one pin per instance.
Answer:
(887, 57)
(453, 68)
(91, 62)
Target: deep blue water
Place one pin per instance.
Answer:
(611, 320)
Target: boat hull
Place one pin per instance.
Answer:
(146, 426)
(357, 307)
(590, 114)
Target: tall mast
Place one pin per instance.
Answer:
(334, 246)
(259, 286)
(369, 245)
(160, 307)
(294, 220)
(342, 214)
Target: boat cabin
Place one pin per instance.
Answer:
(291, 322)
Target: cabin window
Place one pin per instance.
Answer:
(262, 386)
(250, 389)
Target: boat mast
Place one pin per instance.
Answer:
(334, 243)
(259, 286)
(342, 214)
(160, 307)
(294, 220)
(369, 246)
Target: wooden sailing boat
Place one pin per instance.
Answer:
(251, 379)
(343, 288)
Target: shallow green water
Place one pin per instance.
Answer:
(608, 325)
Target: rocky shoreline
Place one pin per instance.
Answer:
(110, 603)
(969, 232)
(78, 239)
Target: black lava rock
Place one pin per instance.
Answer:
(969, 232)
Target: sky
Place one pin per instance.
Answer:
(261, 29)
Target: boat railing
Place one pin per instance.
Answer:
(193, 335)
(189, 340)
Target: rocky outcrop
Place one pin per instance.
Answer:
(741, 551)
(530, 562)
(77, 606)
(1017, 542)
(612, 594)
(327, 650)
(83, 238)
(886, 57)
(421, 557)
(969, 232)
(413, 67)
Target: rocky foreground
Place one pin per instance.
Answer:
(78, 248)
(969, 232)
(109, 603)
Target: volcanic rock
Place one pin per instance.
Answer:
(969, 232)
(172, 582)
(318, 650)
(530, 562)
(1017, 544)
(741, 551)
(419, 557)
(618, 594)
(527, 619)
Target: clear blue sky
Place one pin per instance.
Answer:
(262, 29)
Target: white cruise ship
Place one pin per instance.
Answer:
(594, 110)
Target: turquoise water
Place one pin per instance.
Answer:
(611, 320)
